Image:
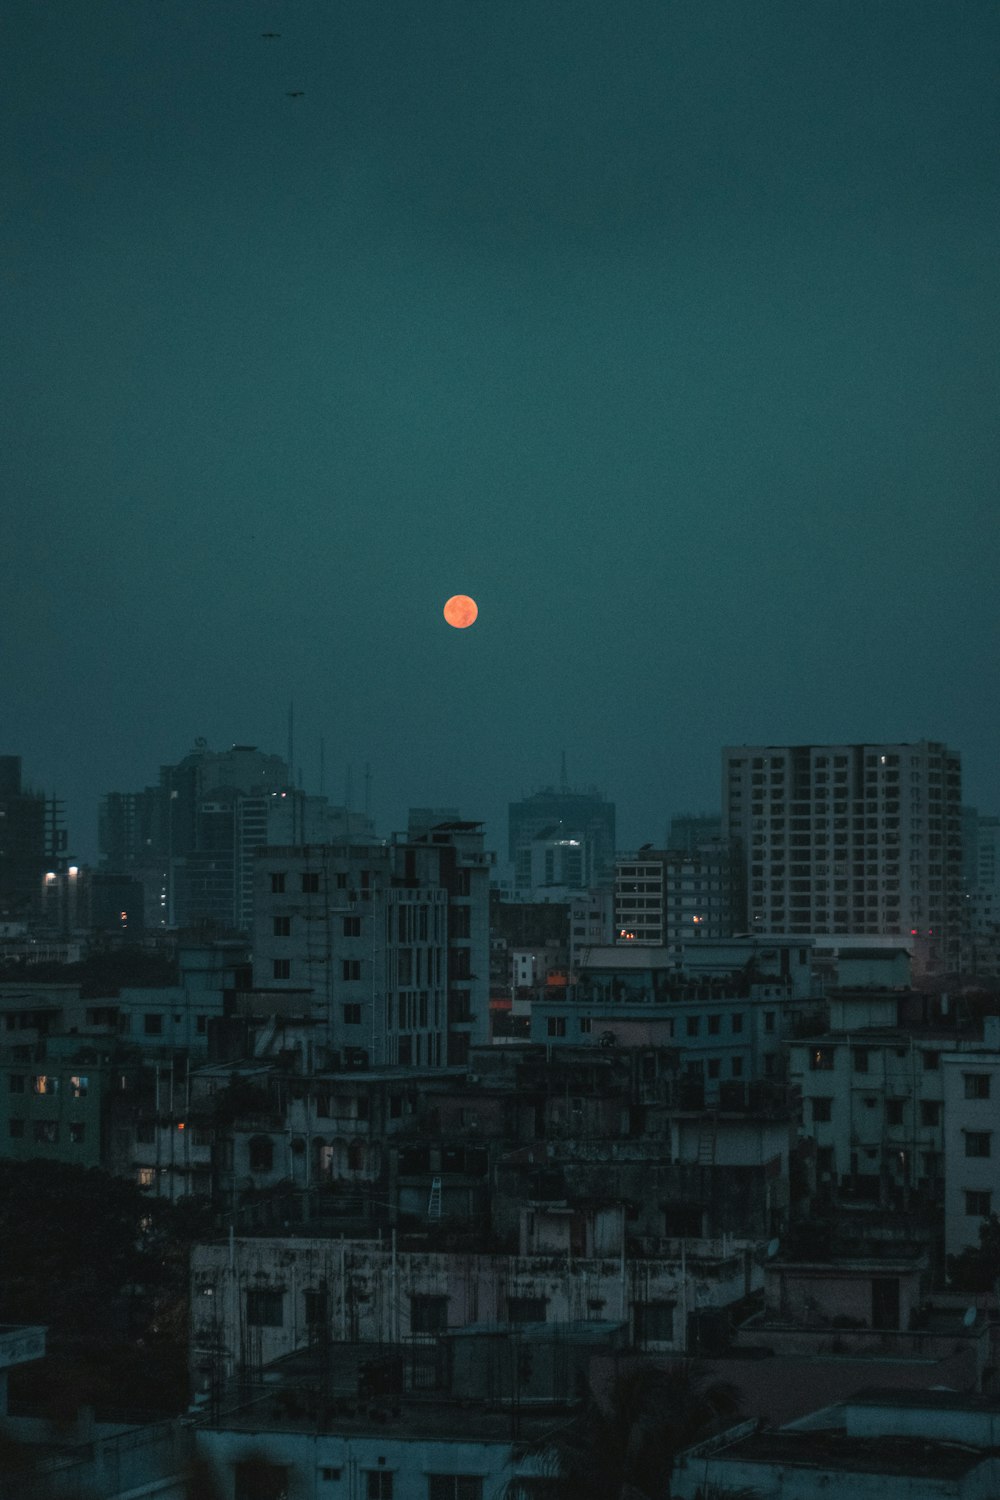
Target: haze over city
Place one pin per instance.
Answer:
(666, 331)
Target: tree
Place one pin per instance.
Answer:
(623, 1447)
(977, 1270)
(105, 1269)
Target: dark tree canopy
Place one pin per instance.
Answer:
(623, 1447)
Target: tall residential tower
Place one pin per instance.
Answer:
(853, 840)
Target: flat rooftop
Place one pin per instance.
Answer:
(832, 1449)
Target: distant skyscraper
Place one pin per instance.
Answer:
(217, 805)
(688, 830)
(849, 839)
(563, 814)
(980, 852)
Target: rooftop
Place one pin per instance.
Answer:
(832, 1449)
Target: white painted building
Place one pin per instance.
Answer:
(879, 1445)
(255, 1300)
(440, 1452)
(971, 1090)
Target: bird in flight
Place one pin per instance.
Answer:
(270, 36)
(296, 94)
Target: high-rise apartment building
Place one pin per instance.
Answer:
(667, 897)
(849, 839)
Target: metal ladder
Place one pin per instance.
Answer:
(434, 1203)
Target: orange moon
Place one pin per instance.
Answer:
(461, 611)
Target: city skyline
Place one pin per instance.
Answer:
(354, 789)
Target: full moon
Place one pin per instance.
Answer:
(461, 611)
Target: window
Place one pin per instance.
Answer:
(692, 1025)
(277, 884)
(860, 1059)
(44, 1083)
(737, 1021)
(352, 1015)
(930, 1112)
(310, 883)
(894, 1111)
(16, 1130)
(714, 1025)
(454, 1487)
(977, 1085)
(282, 968)
(525, 1309)
(378, 1484)
(282, 926)
(350, 968)
(713, 1067)
(932, 1060)
(428, 1314)
(822, 1110)
(78, 1085)
(654, 1322)
(769, 1021)
(352, 926)
(265, 1307)
(47, 1132)
(821, 1060)
(314, 1308)
(152, 1023)
(555, 1026)
(977, 1205)
(736, 1067)
(77, 1133)
(17, 1083)
(329, 1475)
(977, 1143)
(260, 1150)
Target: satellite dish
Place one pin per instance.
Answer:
(772, 1249)
(969, 1317)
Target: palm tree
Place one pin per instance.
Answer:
(623, 1445)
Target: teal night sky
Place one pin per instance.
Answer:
(669, 331)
